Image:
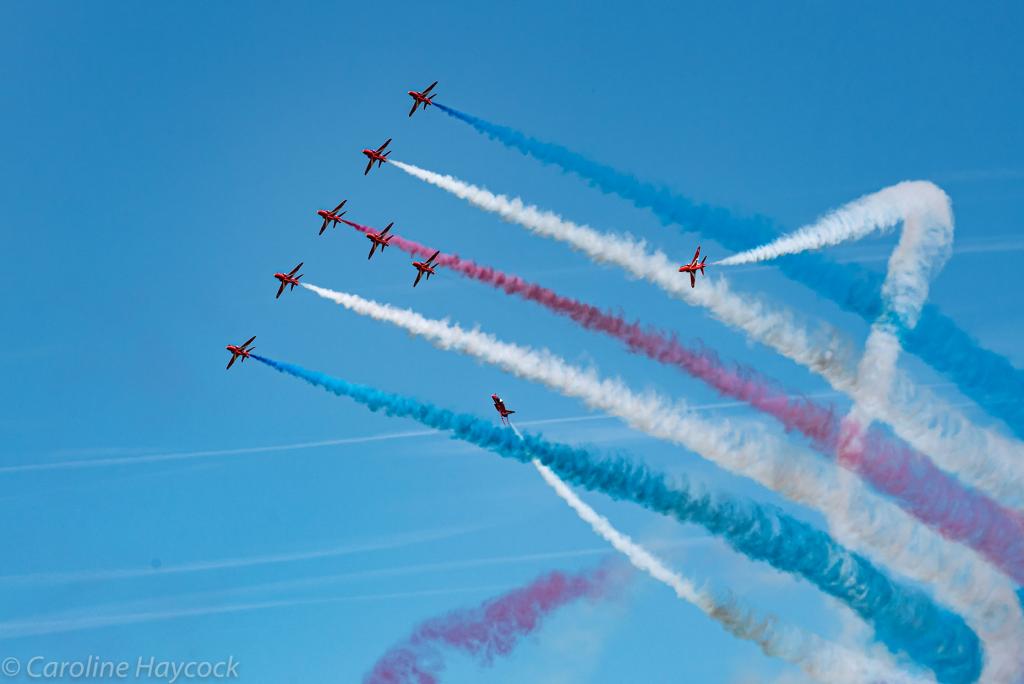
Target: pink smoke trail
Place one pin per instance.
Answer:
(933, 496)
(492, 629)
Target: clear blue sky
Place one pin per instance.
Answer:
(161, 161)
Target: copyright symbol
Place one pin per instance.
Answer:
(10, 667)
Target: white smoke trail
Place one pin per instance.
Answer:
(822, 660)
(866, 521)
(983, 458)
(878, 212)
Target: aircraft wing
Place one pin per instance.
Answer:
(433, 256)
(296, 269)
(369, 166)
(339, 206)
(696, 254)
(693, 279)
(386, 143)
(429, 88)
(385, 231)
(415, 104)
(233, 357)
(249, 341)
(279, 291)
(323, 227)
(419, 274)
(373, 248)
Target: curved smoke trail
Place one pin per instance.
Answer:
(982, 457)
(821, 660)
(492, 629)
(984, 376)
(861, 519)
(878, 212)
(904, 618)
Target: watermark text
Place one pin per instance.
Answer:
(143, 668)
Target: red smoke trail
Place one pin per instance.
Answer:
(492, 629)
(935, 497)
(816, 422)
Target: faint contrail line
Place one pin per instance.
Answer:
(24, 628)
(71, 577)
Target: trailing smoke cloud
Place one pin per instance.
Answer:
(490, 630)
(986, 377)
(904, 618)
(823, 661)
(982, 457)
(932, 495)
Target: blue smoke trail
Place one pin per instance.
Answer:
(904, 618)
(984, 376)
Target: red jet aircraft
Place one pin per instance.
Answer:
(288, 279)
(376, 156)
(425, 267)
(331, 217)
(382, 238)
(693, 267)
(422, 98)
(242, 351)
(499, 406)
